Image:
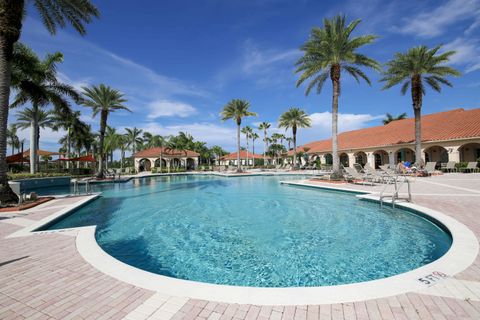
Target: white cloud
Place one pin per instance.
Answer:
(76, 84)
(435, 22)
(167, 108)
(467, 53)
(48, 138)
(211, 133)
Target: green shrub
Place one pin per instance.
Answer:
(21, 176)
(154, 170)
(460, 165)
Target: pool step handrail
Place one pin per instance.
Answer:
(398, 184)
(76, 188)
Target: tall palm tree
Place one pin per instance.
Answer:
(417, 68)
(329, 51)
(264, 126)
(104, 100)
(110, 143)
(237, 109)
(389, 118)
(289, 141)
(12, 138)
(40, 87)
(134, 135)
(294, 118)
(72, 124)
(55, 13)
(35, 119)
(247, 131)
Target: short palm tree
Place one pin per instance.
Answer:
(12, 138)
(254, 136)
(135, 138)
(55, 13)
(237, 109)
(35, 119)
(294, 118)
(264, 126)
(247, 131)
(389, 118)
(415, 69)
(104, 100)
(328, 52)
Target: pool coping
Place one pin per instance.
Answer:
(461, 255)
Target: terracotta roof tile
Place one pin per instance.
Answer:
(448, 125)
(243, 155)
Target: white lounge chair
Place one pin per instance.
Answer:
(450, 167)
(471, 167)
(353, 175)
(430, 168)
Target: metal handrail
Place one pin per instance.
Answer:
(398, 187)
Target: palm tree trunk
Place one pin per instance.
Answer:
(238, 147)
(417, 107)
(246, 137)
(253, 151)
(33, 146)
(101, 155)
(121, 160)
(294, 132)
(68, 148)
(265, 147)
(335, 76)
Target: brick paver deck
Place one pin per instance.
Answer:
(43, 276)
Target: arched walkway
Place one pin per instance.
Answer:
(361, 158)
(469, 152)
(157, 163)
(190, 164)
(175, 163)
(436, 154)
(404, 154)
(144, 165)
(381, 158)
(344, 160)
(328, 159)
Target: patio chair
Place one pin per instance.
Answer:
(471, 167)
(353, 175)
(358, 167)
(450, 167)
(374, 174)
(430, 168)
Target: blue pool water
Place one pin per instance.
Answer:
(253, 231)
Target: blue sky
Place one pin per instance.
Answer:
(179, 62)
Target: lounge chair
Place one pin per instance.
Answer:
(471, 167)
(450, 167)
(374, 174)
(358, 167)
(353, 175)
(429, 168)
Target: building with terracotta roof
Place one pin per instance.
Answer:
(231, 159)
(147, 159)
(446, 136)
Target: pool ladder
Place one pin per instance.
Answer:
(76, 188)
(398, 184)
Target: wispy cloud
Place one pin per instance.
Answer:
(467, 53)
(265, 67)
(166, 108)
(436, 22)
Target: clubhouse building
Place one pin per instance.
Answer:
(446, 136)
(147, 159)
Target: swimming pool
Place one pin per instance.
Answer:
(253, 231)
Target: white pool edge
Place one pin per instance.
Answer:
(460, 256)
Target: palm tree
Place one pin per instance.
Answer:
(110, 143)
(104, 100)
(389, 118)
(72, 124)
(247, 131)
(236, 109)
(12, 138)
(55, 13)
(418, 67)
(35, 119)
(218, 152)
(40, 87)
(294, 118)
(134, 138)
(329, 51)
(254, 136)
(264, 126)
(289, 141)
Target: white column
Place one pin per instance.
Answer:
(137, 164)
(371, 159)
(453, 154)
(391, 158)
(351, 159)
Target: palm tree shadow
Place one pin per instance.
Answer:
(13, 260)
